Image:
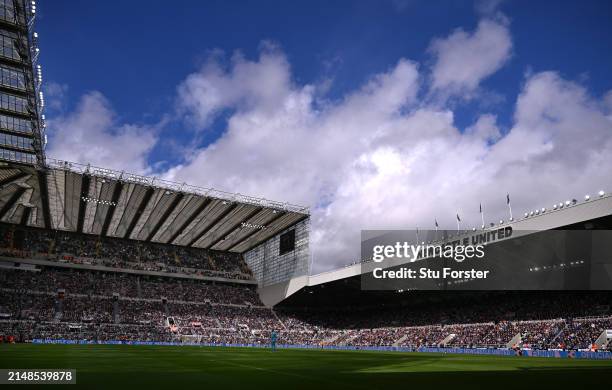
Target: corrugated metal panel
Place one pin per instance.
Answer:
(126, 193)
(95, 187)
(254, 224)
(280, 224)
(179, 215)
(72, 199)
(202, 221)
(105, 197)
(151, 214)
(129, 211)
(224, 226)
(56, 183)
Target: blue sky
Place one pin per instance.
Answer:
(137, 52)
(136, 76)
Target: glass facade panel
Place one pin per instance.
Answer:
(13, 103)
(15, 124)
(12, 78)
(19, 128)
(9, 13)
(16, 141)
(270, 267)
(12, 155)
(8, 47)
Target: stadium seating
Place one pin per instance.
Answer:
(120, 253)
(83, 304)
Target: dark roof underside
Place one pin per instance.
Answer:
(93, 204)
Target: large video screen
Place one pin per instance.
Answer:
(287, 242)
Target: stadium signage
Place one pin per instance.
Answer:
(485, 237)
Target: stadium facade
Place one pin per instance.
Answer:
(21, 102)
(344, 285)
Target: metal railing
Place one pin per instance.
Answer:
(126, 177)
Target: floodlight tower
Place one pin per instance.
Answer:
(22, 134)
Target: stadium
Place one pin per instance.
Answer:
(131, 280)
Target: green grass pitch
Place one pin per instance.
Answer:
(129, 367)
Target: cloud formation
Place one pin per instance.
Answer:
(381, 158)
(91, 134)
(247, 84)
(463, 59)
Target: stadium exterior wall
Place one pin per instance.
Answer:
(270, 266)
(580, 211)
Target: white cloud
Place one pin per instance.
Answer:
(205, 93)
(91, 134)
(282, 143)
(378, 158)
(463, 59)
(485, 128)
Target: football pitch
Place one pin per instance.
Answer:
(129, 367)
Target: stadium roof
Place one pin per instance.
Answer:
(83, 198)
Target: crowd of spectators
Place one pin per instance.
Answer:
(580, 332)
(62, 246)
(50, 302)
(47, 279)
(422, 336)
